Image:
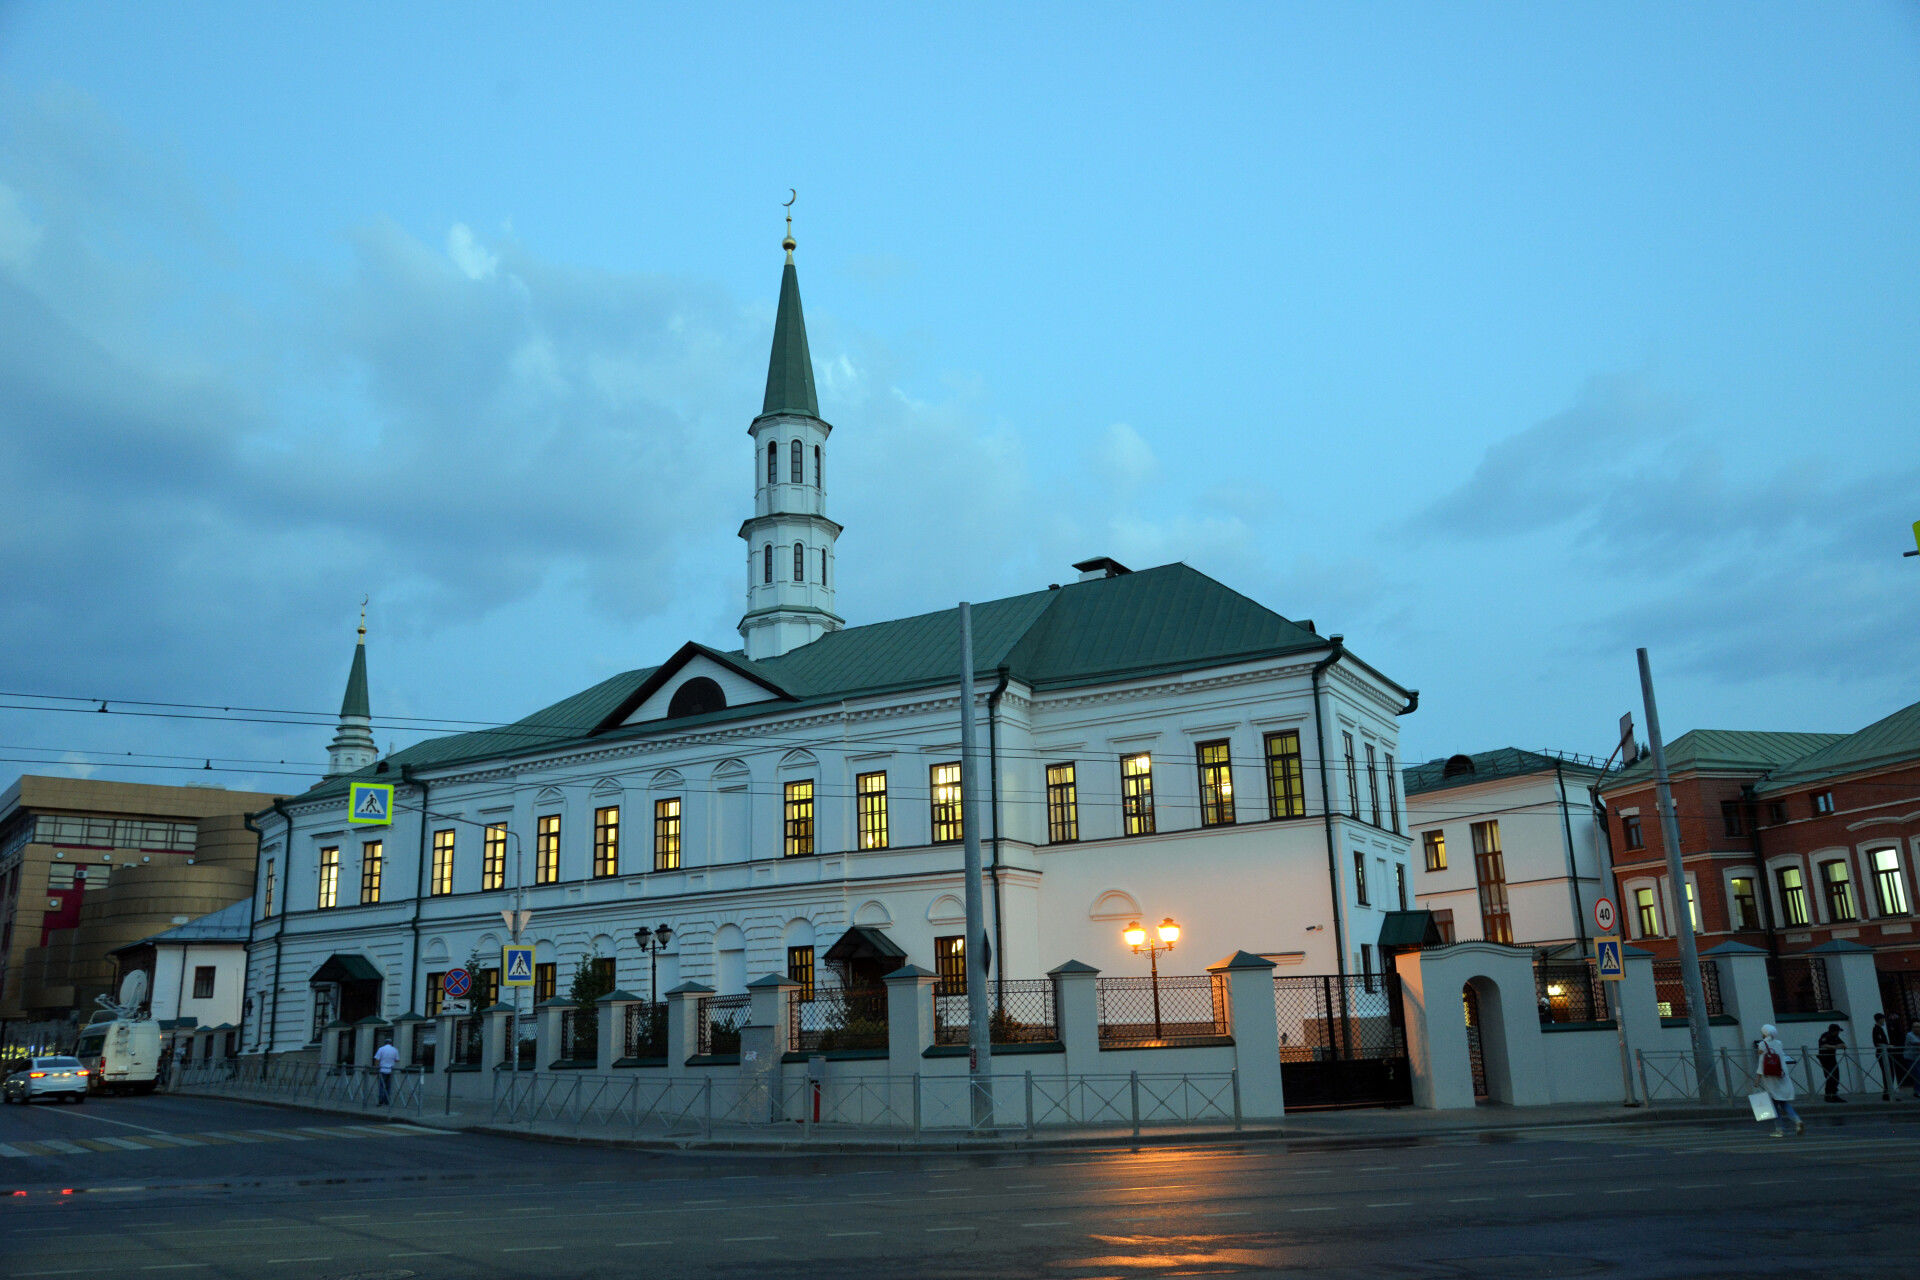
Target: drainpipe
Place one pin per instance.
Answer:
(1573, 872)
(993, 809)
(419, 881)
(1337, 648)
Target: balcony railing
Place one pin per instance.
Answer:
(1023, 1013)
(1167, 1011)
(839, 1019)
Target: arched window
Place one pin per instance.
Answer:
(766, 563)
(799, 464)
(773, 461)
(697, 697)
(819, 476)
(823, 566)
(799, 562)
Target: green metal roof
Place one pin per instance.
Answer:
(1488, 766)
(355, 703)
(1894, 740)
(790, 370)
(1165, 619)
(1725, 751)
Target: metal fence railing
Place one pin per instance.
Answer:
(1670, 991)
(1569, 991)
(1023, 1013)
(1799, 984)
(1163, 1011)
(525, 1028)
(579, 1035)
(838, 1018)
(645, 1035)
(1327, 1018)
(1670, 1076)
(466, 1042)
(425, 1042)
(311, 1083)
(721, 1018)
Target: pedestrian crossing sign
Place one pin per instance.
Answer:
(516, 966)
(370, 803)
(1607, 953)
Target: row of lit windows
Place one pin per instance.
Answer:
(372, 859)
(799, 563)
(796, 467)
(1836, 891)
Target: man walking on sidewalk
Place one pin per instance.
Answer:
(384, 1058)
(1830, 1045)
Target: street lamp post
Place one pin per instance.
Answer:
(1137, 939)
(652, 943)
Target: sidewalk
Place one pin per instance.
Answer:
(1322, 1129)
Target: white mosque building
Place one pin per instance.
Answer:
(1152, 744)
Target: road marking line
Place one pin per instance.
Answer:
(421, 1253)
(742, 1239)
(1468, 1199)
(1620, 1191)
(1229, 1213)
(125, 1144)
(1506, 1162)
(649, 1244)
(720, 1201)
(1548, 1195)
(60, 1145)
(282, 1135)
(318, 1257)
(175, 1266)
(931, 1229)
(1441, 1164)
(231, 1136)
(1376, 1168)
(542, 1248)
(1390, 1204)
(841, 1235)
(1769, 1182)
(1044, 1224)
(83, 1114)
(1700, 1186)
(1318, 1208)
(11, 1153)
(340, 1217)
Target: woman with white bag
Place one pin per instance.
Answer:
(1770, 1065)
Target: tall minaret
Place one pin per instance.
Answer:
(352, 747)
(790, 569)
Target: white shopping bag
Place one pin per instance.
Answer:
(1762, 1104)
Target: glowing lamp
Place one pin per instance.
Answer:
(1134, 934)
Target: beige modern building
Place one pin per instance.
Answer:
(87, 866)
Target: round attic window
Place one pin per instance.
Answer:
(697, 697)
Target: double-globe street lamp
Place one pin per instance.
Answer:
(652, 943)
(1137, 939)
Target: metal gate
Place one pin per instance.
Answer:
(1476, 1060)
(1343, 1041)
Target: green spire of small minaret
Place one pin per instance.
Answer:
(355, 701)
(790, 371)
(353, 747)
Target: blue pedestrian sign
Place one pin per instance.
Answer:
(370, 803)
(516, 966)
(1607, 952)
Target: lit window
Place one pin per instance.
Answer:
(493, 856)
(436, 992)
(1490, 869)
(329, 877)
(546, 981)
(798, 468)
(1887, 886)
(1746, 905)
(1837, 882)
(606, 841)
(546, 850)
(1793, 896)
(372, 854)
(1693, 909)
(666, 834)
(945, 802)
(1436, 845)
(1136, 794)
(800, 969)
(799, 821)
(1063, 804)
(799, 562)
(1649, 913)
(871, 789)
(1286, 796)
(1216, 784)
(950, 964)
(442, 880)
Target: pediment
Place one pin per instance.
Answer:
(702, 679)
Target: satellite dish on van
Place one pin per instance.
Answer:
(133, 990)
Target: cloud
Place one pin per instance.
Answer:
(468, 255)
(1125, 456)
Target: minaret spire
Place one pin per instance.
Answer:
(790, 541)
(353, 746)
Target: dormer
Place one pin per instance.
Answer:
(696, 681)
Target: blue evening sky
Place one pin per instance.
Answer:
(1501, 339)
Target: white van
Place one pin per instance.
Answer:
(121, 1056)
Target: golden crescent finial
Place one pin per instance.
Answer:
(363, 615)
(787, 244)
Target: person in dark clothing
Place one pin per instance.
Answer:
(1829, 1046)
(1883, 1056)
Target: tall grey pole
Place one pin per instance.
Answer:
(979, 1011)
(1677, 878)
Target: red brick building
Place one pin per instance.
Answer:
(1788, 840)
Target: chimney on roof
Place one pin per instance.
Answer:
(1100, 567)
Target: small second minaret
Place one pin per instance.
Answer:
(352, 747)
(790, 569)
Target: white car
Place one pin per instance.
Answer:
(47, 1078)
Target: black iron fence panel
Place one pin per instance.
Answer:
(346, 1046)
(721, 1018)
(1799, 984)
(837, 1018)
(1569, 991)
(1670, 990)
(466, 1042)
(1163, 1011)
(1900, 995)
(1325, 1017)
(579, 1035)
(1023, 1013)
(526, 1039)
(425, 1034)
(646, 1031)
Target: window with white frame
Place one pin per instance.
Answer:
(1889, 890)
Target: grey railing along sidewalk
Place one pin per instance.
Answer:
(303, 1083)
(1670, 1076)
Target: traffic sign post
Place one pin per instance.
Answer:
(516, 966)
(1603, 915)
(1607, 958)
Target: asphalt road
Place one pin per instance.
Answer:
(252, 1191)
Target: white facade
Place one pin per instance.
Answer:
(1551, 851)
(181, 971)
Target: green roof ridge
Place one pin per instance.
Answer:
(790, 370)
